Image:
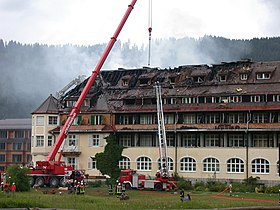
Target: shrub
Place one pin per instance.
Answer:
(216, 186)
(272, 189)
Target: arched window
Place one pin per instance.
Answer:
(235, 165)
(124, 163)
(211, 165)
(260, 166)
(188, 164)
(169, 162)
(91, 163)
(144, 164)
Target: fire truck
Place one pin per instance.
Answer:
(53, 172)
(163, 181)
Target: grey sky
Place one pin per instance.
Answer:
(87, 22)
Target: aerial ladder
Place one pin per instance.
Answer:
(75, 81)
(50, 170)
(164, 173)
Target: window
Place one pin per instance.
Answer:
(125, 82)
(72, 140)
(94, 140)
(17, 146)
(212, 140)
(276, 98)
(96, 120)
(189, 100)
(53, 120)
(92, 163)
(144, 81)
(213, 118)
(260, 117)
(223, 78)
(3, 134)
(2, 146)
(198, 79)
(39, 141)
(170, 139)
(70, 103)
(172, 80)
(261, 140)
(17, 158)
(125, 140)
(260, 166)
(2, 158)
(169, 119)
(169, 101)
(190, 140)
(144, 164)
(19, 134)
(235, 165)
(146, 140)
(40, 120)
(255, 98)
(243, 77)
(50, 141)
(170, 164)
(211, 165)
(236, 118)
(124, 163)
(77, 120)
(147, 119)
(265, 75)
(71, 161)
(189, 119)
(235, 140)
(188, 164)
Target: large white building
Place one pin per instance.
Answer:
(222, 121)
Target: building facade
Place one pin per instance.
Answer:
(222, 121)
(15, 142)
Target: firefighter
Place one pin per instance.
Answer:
(2, 186)
(13, 187)
(82, 188)
(6, 187)
(118, 189)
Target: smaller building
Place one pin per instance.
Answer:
(15, 142)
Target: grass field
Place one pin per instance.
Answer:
(98, 198)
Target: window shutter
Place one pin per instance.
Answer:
(89, 163)
(92, 120)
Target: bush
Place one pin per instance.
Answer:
(199, 186)
(97, 183)
(216, 186)
(272, 189)
(18, 175)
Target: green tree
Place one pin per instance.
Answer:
(107, 161)
(18, 175)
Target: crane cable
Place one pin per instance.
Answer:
(150, 31)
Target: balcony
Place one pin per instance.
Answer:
(71, 151)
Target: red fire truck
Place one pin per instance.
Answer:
(163, 181)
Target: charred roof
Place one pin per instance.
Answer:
(113, 87)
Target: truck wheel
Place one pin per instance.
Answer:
(127, 186)
(62, 183)
(32, 181)
(158, 187)
(54, 182)
(39, 181)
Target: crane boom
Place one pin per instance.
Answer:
(75, 110)
(161, 135)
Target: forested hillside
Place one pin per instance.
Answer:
(30, 73)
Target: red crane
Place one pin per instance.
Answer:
(51, 171)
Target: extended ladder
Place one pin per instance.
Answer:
(161, 134)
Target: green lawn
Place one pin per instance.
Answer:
(98, 198)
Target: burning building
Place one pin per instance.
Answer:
(222, 121)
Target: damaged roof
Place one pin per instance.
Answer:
(228, 78)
